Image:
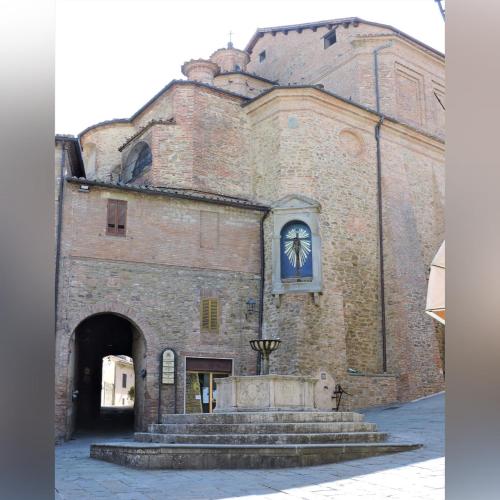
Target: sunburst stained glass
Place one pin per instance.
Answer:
(296, 251)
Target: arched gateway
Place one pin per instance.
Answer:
(106, 335)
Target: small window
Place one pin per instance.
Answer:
(117, 217)
(330, 38)
(262, 56)
(124, 380)
(209, 315)
(237, 67)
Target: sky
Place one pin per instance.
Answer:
(112, 56)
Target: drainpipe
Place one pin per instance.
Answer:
(59, 225)
(381, 246)
(379, 208)
(262, 280)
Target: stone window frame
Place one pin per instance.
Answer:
(302, 209)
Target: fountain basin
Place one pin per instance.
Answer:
(265, 393)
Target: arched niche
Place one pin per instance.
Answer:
(296, 217)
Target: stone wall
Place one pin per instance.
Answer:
(105, 140)
(367, 390)
(328, 153)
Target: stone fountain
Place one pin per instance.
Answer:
(265, 392)
(260, 421)
(265, 347)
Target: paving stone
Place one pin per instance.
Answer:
(415, 475)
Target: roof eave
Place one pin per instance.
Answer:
(261, 31)
(165, 89)
(212, 198)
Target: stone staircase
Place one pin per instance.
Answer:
(250, 440)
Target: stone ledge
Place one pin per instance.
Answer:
(224, 456)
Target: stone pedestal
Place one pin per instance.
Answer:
(262, 393)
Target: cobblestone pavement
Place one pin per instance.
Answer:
(416, 474)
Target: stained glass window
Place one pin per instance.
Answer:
(296, 252)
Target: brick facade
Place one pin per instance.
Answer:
(245, 143)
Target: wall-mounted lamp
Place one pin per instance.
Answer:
(144, 373)
(251, 307)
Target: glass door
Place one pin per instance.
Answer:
(201, 391)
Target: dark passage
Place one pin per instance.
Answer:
(97, 337)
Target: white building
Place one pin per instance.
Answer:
(117, 379)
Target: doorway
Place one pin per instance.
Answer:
(108, 386)
(201, 385)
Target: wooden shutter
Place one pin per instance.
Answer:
(205, 314)
(209, 315)
(111, 225)
(117, 217)
(121, 216)
(214, 314)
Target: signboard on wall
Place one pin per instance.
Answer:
(168, 367)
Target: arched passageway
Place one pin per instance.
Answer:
(103, 337)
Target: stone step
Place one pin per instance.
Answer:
(312, 438)
(265, 428)
(196, 456)
(262, 417)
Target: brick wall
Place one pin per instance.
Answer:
(408, 74)
(155, 277)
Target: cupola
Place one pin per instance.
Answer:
(230, 59)
(200, 70)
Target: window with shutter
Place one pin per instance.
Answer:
(117, 217)
(209, 315)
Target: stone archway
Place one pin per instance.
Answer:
(143, 348)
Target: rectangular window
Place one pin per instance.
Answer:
(117, 217)
(124, 380)
(262, 56)
(209, 315)
(330, 38)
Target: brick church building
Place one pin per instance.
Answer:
(293, 189)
